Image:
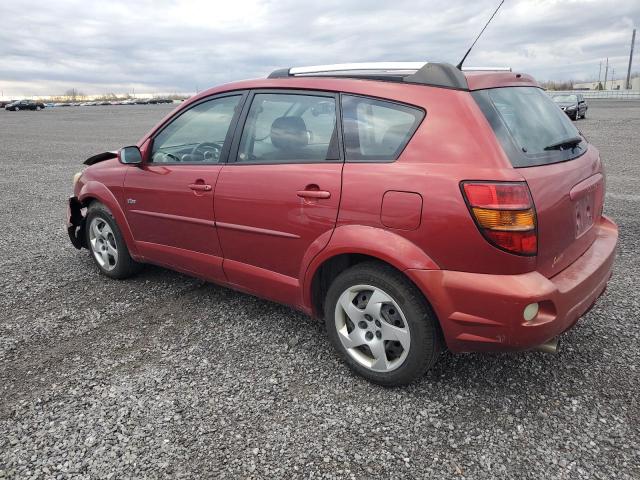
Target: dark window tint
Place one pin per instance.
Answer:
(289, 128)
(198, 134)
(528, 124)
(375, 129)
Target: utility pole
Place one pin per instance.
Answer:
(633, 40)
(600, 72)
(606, 72)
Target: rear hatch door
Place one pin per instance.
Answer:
(563, 171)
(568, 198)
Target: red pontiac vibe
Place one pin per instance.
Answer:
(414, 207)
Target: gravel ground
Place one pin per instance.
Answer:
(163, 375)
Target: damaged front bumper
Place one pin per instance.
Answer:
(76, 223)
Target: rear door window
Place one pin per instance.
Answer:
(290, 128)
(530, 126)
(376, 130)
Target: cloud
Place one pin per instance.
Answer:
(181, 46)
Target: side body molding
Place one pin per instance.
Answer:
(376, 242)
(100, 192)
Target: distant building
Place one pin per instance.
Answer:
(611, 85)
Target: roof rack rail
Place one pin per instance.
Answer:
(350, 67)
(432, 74)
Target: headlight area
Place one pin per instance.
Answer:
(76, 177)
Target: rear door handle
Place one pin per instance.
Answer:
(200, 187)
(313, 194)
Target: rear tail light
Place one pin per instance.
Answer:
(504, 213)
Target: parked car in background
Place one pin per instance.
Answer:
(24, 105)
(4, 103)
(413, 208)
(573, 104)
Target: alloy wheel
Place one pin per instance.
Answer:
(372, 328)
(103, 244)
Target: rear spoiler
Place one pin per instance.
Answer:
(101, 157)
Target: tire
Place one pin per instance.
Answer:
(17, 109)
(404, 319)
(106, 244)
(37, 108)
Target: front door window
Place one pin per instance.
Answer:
(198, 135)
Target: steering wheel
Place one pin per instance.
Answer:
(167, 157)
(205, 148)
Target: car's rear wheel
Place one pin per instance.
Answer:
(381, 324)
(17, 109)
(106, 244)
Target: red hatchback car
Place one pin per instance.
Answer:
(414, 207)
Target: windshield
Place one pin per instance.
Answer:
(565, 98)
(527, 123)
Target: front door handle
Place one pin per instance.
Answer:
(200, 187)
(315, 194)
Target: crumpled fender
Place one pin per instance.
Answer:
(380, 243)
(100, 157)
(97, 190)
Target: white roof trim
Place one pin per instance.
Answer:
(346, 67)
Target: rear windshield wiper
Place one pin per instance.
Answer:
(566, 143)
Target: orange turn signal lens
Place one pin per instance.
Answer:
(506, 220)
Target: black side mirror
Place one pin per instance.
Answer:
(130, 155)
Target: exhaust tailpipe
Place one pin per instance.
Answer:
(550, 346)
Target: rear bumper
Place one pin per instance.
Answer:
(75, 222)
(480, 312)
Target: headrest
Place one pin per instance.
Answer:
(289, 133)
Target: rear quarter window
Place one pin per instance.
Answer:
(377, 130)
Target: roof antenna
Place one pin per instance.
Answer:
(459, 66)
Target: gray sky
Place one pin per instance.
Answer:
(102, 46)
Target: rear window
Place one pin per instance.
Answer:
(376, 130)
(528, 124)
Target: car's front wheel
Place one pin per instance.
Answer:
(381, 324)
(106, 244)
